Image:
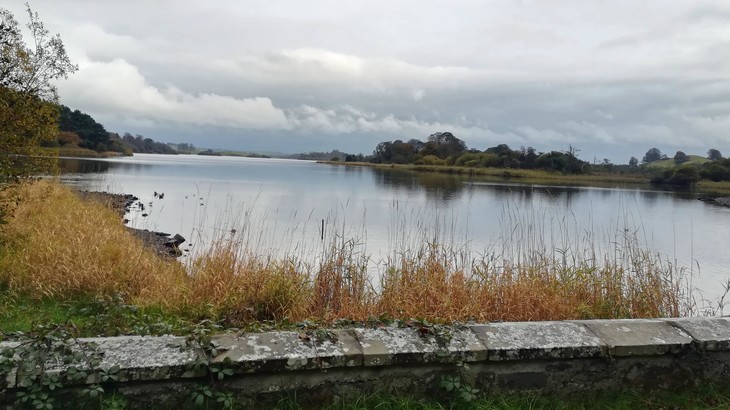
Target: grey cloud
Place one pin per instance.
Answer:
(610, 78)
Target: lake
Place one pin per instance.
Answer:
(279, 206)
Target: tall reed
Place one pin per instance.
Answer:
(56, 245)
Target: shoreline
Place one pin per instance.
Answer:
(527, 175)
(718, 189)
(164, 244)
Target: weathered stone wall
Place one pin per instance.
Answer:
(320, 367)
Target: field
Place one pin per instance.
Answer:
(669, 163)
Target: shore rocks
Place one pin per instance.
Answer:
(161, 242)
(722, 201)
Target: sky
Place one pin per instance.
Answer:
(611, 79)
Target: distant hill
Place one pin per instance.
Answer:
(144, 145)
(669, 163)
(81, 135)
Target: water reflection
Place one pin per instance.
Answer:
(200, 189)
(82, 166)
(98, 166)
(437, 187)
(526, 193)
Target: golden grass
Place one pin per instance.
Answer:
(57, 245)
(722, 187)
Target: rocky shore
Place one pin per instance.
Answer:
(723, 201)
(163, 243)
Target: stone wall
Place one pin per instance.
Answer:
(322, 366)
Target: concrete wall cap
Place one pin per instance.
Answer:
(394, 345)
(639, 337)
(538, 340)
(709, 333)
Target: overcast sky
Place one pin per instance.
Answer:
(610, 78)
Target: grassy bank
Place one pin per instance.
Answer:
(67, 254)
(719, 187)
(541, 177)
(523, 175)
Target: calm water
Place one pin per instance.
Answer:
(283, 203)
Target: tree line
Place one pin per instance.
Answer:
(683, 170)
(443, 148)
(77, 129)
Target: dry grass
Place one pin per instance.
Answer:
(720, 187)
(431, 287)
(56, 245)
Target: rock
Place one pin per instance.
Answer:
(160, 242)
(722, 201)
(175, 241)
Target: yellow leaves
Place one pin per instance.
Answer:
(25, 122)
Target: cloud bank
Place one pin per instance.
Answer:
(612, 80)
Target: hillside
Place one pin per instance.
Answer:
(669, 163)
(81, 135)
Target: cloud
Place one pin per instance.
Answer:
(605, 77)
(118, 89)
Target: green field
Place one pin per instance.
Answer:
(669, 163)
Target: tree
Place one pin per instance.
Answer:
(92, 134)
(633, 162)
(25, 122)
(685, 175)
(31, 71)
(28, 114)
(713, 154)
(715, 171)
(652, 155)
(680, 158)
(443, 145)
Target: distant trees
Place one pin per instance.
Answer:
(185, 148)
(683, 175)
(718, 170)
(680, 158)
(443, 148)
(440, 146)
(321, 156)
(633, 162)
(713, 154)
(561, 161)
(144, 145)
(652, 155)
(92, 134)
(354, 158)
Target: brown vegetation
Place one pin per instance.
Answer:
(56, 245)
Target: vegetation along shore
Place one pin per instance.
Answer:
(445, 153)
(89, 255)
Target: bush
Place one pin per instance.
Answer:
(715, 172)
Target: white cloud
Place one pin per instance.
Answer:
(117, 88)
